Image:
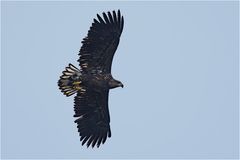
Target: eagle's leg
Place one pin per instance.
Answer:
(76, 85)
(76, 82)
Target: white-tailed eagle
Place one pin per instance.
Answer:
(93, 80)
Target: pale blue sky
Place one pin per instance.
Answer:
(178, 62)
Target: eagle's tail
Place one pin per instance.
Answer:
(70, 81)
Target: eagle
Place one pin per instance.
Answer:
(92, 81)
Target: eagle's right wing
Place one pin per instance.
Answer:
(91, 108)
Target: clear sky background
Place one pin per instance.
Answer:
(178, 62)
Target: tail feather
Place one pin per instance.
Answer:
(70, 75)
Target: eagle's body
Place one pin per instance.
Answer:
(93, 80)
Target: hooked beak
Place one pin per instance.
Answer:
(121, 85)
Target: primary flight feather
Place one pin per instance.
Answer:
(93, 80)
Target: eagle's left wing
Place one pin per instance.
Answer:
(91, 108)
(99, 46)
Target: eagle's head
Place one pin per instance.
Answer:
(114, 84)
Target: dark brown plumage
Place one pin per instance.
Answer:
(93, 80)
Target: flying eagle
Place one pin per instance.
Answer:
(93, 80)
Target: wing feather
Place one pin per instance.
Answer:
(106, 18)
(119, 18)
(100, 19)
(110, 17)
(115, 17)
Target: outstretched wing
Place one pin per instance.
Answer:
(99, 46)
(93, 122)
